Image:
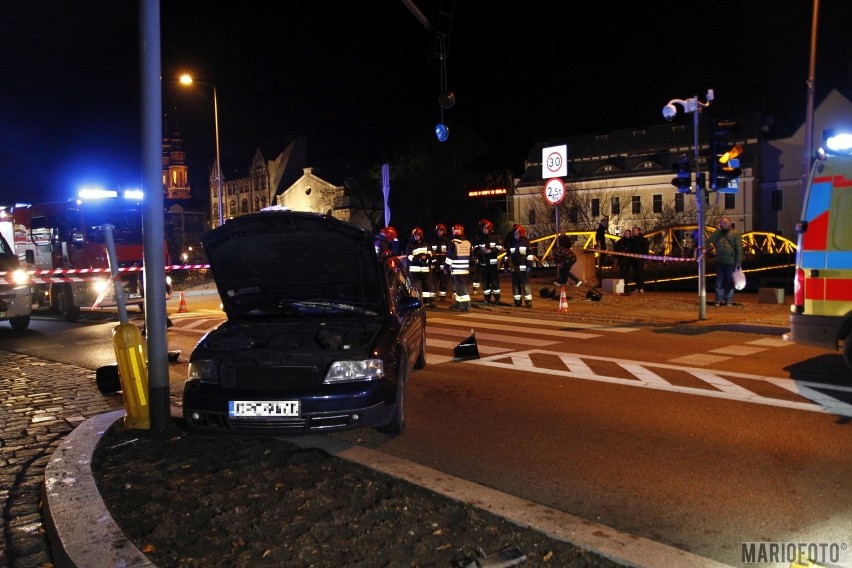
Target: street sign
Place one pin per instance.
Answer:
(554, 191)
(554, 162)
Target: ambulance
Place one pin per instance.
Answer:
(821, 313)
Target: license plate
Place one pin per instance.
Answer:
(264, 408)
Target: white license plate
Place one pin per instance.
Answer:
(264, 408)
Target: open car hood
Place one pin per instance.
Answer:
(282, 263)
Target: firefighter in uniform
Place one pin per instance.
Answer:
(458, 261)
(519, 256)
(486, 251)
(419, 258)
(387, 240)
(438, 247)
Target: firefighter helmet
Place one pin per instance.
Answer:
(521, 231)
(441, 227)
(458, 231)
(389, 233)
(417, 233)
(486, 224)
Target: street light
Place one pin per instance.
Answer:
(186, 79)
(694, 106)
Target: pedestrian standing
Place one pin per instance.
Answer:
(624, 263)
(519, 255)
(440, 273)
(639, 247)
(487, 251)
(419, 257)
(600, 243)
(729, 256)
(458, 261)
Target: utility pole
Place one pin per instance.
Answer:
(699, 188)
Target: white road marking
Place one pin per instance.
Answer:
(539, 323)
(645, 376)
(495, 326)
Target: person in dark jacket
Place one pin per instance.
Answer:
(565, 257)
(729, 256)
(639, 246)
(519, 257)
(625, 264)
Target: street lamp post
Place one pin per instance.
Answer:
(186, 79)
(694, 106)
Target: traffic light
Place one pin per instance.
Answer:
(725, 163)
(683, 181)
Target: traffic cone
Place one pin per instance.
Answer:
(563, 300)
(182, 305)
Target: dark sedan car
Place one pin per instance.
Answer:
(321, 333)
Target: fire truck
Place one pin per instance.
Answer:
(15, 294)
(64, 245)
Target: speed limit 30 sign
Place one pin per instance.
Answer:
(554, 191)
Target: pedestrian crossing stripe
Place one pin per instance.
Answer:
(806, 395)
(514, 328)
(537, 322)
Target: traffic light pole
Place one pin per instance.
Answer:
(694, 106)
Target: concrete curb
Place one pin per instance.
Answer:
(80, 530)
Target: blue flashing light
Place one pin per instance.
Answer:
(96, 193)
(442, 132)
(133, 194)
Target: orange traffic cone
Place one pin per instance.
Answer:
(563, 301)
(182, 305)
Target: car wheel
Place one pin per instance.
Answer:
(66, 305)
(847, 350)
(397, 421)
(20, 323)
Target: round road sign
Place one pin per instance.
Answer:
(554, 191)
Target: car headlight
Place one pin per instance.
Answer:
(347, 371)
(20, 277)
(101, 286)
(203, 370)
(168, 280)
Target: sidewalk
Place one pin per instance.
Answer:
(53, 417)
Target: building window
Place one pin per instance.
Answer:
(776, 200)
(244, 206)
(531, 217)
(596, 207)
(657, 203)
(615, 206)
(574, 214)
(730, 200)
(679, 203)
(636, 204)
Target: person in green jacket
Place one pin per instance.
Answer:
(729, 256)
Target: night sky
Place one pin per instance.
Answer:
(353, 77)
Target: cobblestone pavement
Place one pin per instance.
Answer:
(42, 402)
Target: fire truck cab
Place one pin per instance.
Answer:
(64, 245)
(16, 301)
(821, 314)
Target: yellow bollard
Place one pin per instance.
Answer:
(133, 373)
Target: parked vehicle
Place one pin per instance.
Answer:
(322, 333)
(63, 244)
(16, 301)
(821, 313)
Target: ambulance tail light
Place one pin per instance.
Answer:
(799, 291)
